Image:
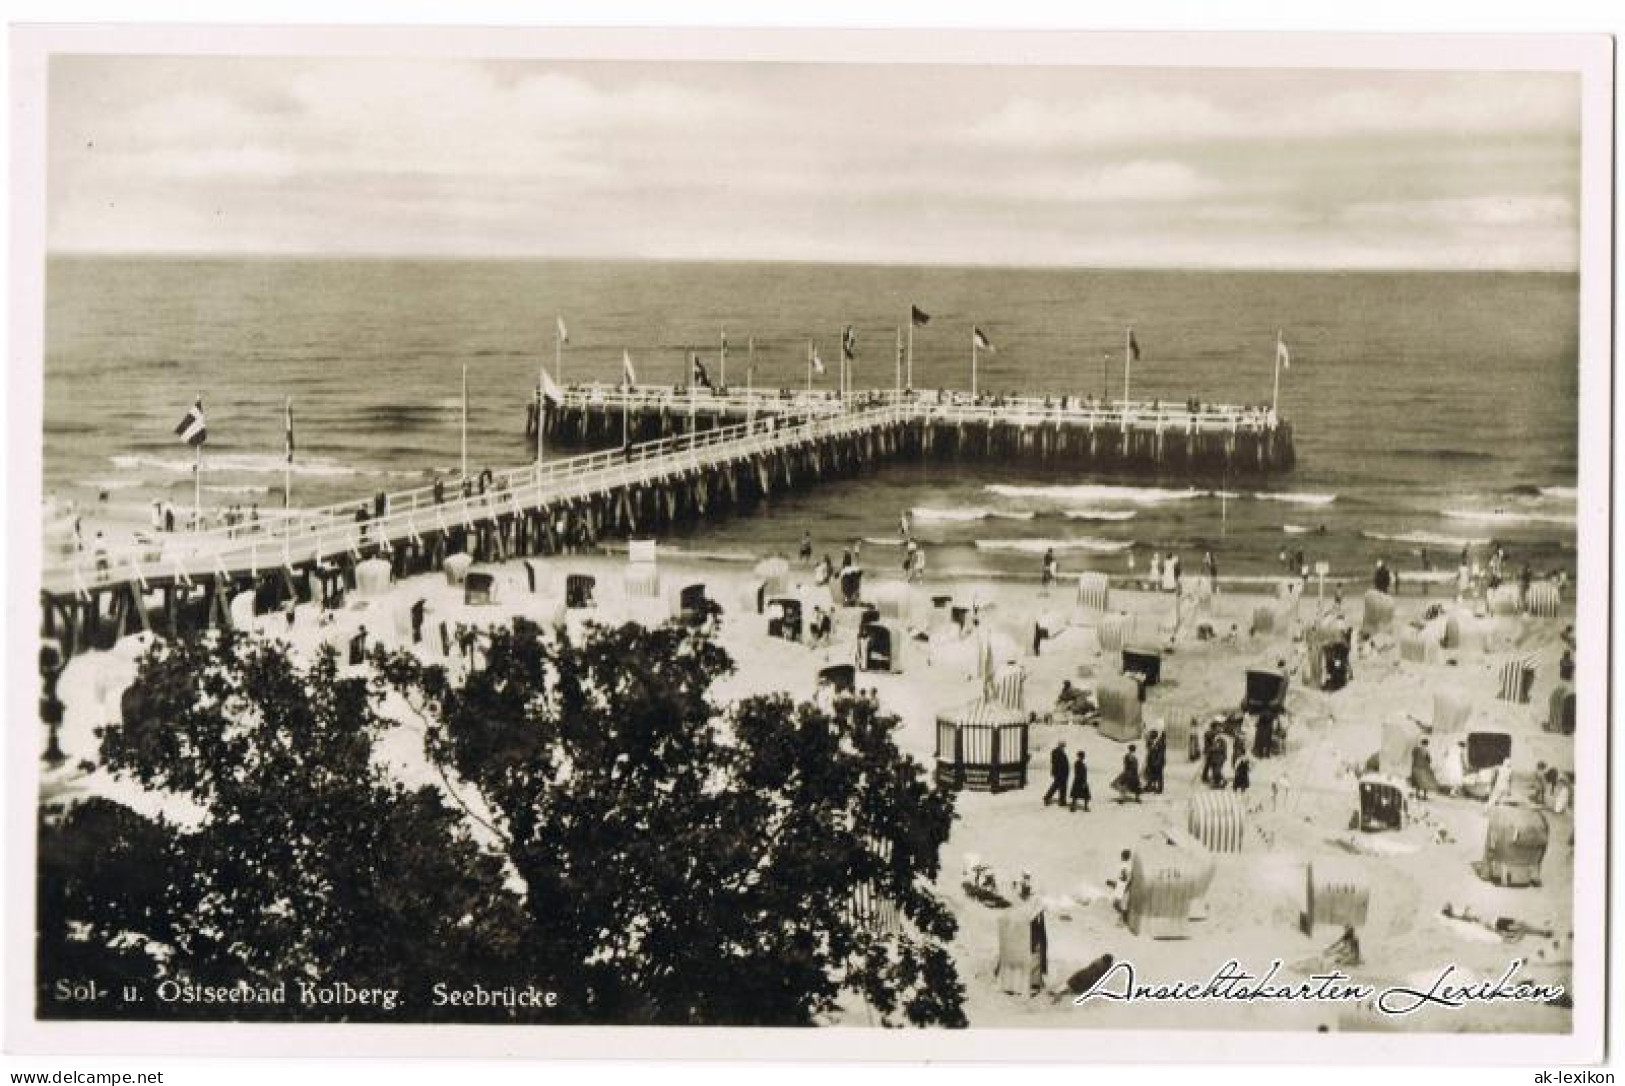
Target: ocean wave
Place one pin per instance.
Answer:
(1565, 493)
(1039, 546)
(1507, 516)
(1295, 498)
(247, 464)
(1100, 514)
(1427, 539)
(967, 513)
(1097, 492)
(109, 484)
(245, 488)
(882, 541)
(1296, 529)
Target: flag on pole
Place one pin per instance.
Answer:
(290, 429)
(982, 342)
(1133, 346)
(1281, 354)
(849, 344)
(564, 333)
(920, 317)
(192, 429)
(701, 378)
(629, 376)
(817, 363)
(551, 392)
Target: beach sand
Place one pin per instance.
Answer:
(1252, 907)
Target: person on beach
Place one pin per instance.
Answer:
(1156, 760)
(157, 515)
(1156, 569)
(1213, 757)
(1453, 772)
(806, 552)
(1127, 783)
(1059, 772)
(1243, 778)
(902, 526)
(1050, 567)
(824, 571)
(1464, 577)
(1210, 567)
(1120, 885)
(1381, 579)
(1080, 782)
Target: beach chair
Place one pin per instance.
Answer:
(641, 580)
(1008, 687)
(895, 601)
(1399, 738)
(1544, 599)
(1514, 846)
(1335, 667)
(1560, 709)
(772, 575)
(1419, 647)
(1517, 679)
(883, 647)
(1165, 883)
(1265, 691)
(689, 605)
(372, 578)
(1504, 600)
(1218, 820)
(1094, 592)
(1115, 632)
(358, 649)
(1336, 892)
(479, 588)
(1262, 621)
(851, 586)
(1462, 632)
(579, 589)
(456, 567)
(1023, 949)
(1378, 612)
(1145, 663)
(1121, 714)
(243, 611)
(1382, 803)
(784, 618)
(1486, 750)
(840, 678)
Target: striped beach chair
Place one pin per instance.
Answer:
(1164, 884)
(1544, 599)
(1008, 687)
(456, 567)
(642, 581)
(1517, 679)
(1115, 632)
(1094, 592)
(1218, 820)
(1560, 708)
(1335, 893)
(1378, 613)
(1514, 846)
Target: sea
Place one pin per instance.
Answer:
(1432, 412)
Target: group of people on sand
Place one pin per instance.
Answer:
(1069, 780)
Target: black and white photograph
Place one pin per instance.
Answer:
(913, 536)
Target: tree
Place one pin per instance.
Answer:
(309, 861)
(684, 863)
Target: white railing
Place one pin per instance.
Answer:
(511, 492)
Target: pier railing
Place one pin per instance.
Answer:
(317, 538)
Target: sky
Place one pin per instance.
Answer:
(911, 164)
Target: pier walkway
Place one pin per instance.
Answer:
(684, 462)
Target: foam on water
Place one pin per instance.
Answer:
(1508, 516)
(968, 513)
(1098, 492)
(1428, 539)
(1039, 546)
(1100, 514)
(1295, 498)
(250, 464)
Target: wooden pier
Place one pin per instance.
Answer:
(691, 456)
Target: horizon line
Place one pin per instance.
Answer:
(538, 258)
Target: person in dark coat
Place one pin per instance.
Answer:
(1127, 783)
(1423, 781)
(1080, 783)
(1059, 772)
(1156, 760)
(1264, 737)
(1213, 758)
(1244, 774)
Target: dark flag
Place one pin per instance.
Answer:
(1133, 346)
(849, 343)
(192, 429)
(701, 378)
(920, 317)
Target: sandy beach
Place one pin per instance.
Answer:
(1298, 808)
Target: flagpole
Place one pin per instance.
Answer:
(541, 406)
(809, 366)
(750, 382)
(722, 357)
(1128, 362)
(910, 383)
(899, 397)
(693, 404)
(287, 460)
(465, 421)
(973, 364)
(1275, 399)
(558, 350)
(197, 490)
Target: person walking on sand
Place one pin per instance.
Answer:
(1080, 782)
(806, 548)
(1127, 783)
(1156, 760)
(1059, 773)
(1049, 567)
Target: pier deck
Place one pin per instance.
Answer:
(689, 457)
